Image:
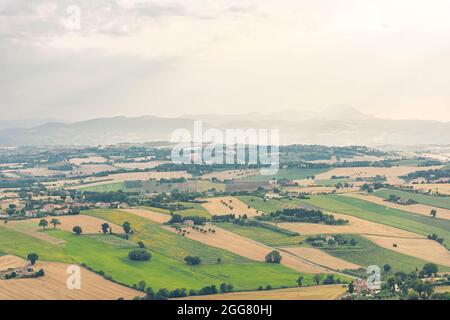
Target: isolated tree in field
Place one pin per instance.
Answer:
(141, 244)
(55, 222)
(300, 281)
(77, 230)
(430, 269)
(32, 257)
(192, 261)
(317, 278)
(43, 223)
(139, 255)
(273, 257)
(105, 228)
(433, 213)
(127, 229)
(387, 267)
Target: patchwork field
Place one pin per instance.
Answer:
(425, 249)
(231, 174)
(406, 221)
(248, 248)
(392, 174)
(321, 258)
(367, 253)
(290, 174)
(435, 201)
(89, 225)
(354, 226)
(90, 159)
(229, 205)
(421, 209)
(440, 188)
(140, 165)
(331, 292)
(149, 214)
(52, 286)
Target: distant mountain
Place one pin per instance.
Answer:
(336, 125)
(23, 123)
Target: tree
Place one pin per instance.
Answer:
(433, 213)
(430, 269)
(387, 267)
(141, 285)
(127, 229)
(351, 287)
(300, 281)
(43, 223)
(141, 244)
(32, 257)
(223, 287)
(391, 282)
(139, 255)
(317, 278)
(55, 222)
(412, 295)
(149, 294)
(192, 260)
(77, 230)
(273, 257)
(105, 228)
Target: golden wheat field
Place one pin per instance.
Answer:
(232, 174)
(228, 205)
(330, 292)
(52, 286)
(321, 258)
(442, 188)
(89, 225)
(148, 214)
(90, 159)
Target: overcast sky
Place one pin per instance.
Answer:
(134, 57)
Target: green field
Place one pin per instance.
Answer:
(333, 182)
(272, 205)
(423, 225)
(291, 174)
(196, 210)
(265, 236)
(109, 254)
(111, 187)
(436, 201)
(367, 253)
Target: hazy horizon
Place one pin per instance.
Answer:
(170, 58)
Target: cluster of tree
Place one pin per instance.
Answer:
(198, 221)
(192, 261)
(302, 215)
(108, 197)
(273, 257)
(139, 255)
(428, 175)
(319, 241)
(396, 199)
(436, 238)
(61, 167)
(371, 187)
(164, 294)
(37, 274)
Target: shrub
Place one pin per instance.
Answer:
(139, 255)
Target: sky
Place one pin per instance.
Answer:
(82, 59)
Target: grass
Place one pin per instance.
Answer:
(196, 210)
(436, 201)
(333, 182)
(108, 253)
(19, 244)
(265, 236)
(367, 253)
(291, 174)
(380, 214)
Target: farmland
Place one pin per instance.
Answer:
(435, 201)
(380, 214)
(331, 292)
